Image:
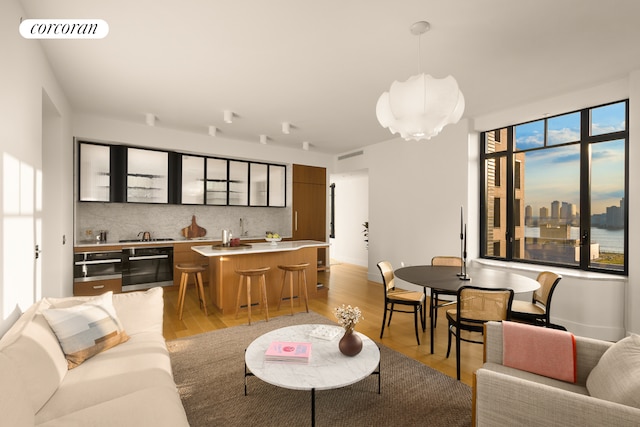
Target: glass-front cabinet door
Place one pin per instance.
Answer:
(217, 182)
(238, 183)
(192, 180)
(118, 173)
(258, 174)
(94, 170)
(147, 176)
(277, 186)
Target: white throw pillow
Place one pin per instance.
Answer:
(86, 329)
(615, 377)
(140, 311)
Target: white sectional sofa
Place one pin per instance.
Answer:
(130, 384)
(606, 393)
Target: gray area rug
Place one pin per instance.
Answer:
(209, 372)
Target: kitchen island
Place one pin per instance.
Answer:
(224, 261)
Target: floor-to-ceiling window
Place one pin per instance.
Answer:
(554, 190)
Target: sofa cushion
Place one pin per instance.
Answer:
(36, 356)
(15, 405)
(143, 361)
(535, 378)
(86, 329)
(153, 406)
(615, 377)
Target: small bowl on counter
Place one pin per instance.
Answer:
(273, 240)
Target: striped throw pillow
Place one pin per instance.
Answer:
(86, 329)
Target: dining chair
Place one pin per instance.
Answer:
(447, 261)
(537, 312)
(394, 296)
(476, 306)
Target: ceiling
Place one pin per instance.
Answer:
(322, 65)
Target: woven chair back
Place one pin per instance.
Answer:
(546, 280)
(483, 305)
(448, 261)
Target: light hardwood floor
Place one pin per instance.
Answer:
(348, 284)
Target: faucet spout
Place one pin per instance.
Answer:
(243, 232)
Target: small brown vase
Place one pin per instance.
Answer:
(350, 344)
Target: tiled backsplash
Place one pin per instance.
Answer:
(126, 220)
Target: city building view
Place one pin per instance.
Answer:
(543, 188)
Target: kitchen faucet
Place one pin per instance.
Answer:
(146, 236)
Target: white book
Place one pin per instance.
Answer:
(326, 332)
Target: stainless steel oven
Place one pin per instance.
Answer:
(98, 265)
(146, 267)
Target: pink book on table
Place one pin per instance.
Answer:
(289, 350)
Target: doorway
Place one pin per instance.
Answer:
(349, 213)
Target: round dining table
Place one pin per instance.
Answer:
(447, 280)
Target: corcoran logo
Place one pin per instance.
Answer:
(64, 28)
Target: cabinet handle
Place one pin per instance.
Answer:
(296, 221)
(98, 286)
(142, 258)
(99, 261)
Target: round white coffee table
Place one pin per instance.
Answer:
(327, 367)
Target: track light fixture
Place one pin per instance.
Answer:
(286, 128)
(150, 119)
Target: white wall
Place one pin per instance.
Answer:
(632, 297)
(352, 210)
(416, 190)
(31, 98)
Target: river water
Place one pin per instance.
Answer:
(610, 240)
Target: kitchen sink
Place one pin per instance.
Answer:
(231, 248)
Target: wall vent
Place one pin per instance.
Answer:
(355, 153)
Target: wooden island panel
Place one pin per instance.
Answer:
(223, 280)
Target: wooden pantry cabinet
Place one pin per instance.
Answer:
(310, 207)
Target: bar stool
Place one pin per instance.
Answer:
(302, 282)
(186, 270)
(248, 274)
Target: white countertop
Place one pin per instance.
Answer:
(257, 248)
(203, 240)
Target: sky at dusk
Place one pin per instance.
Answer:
(553, 173)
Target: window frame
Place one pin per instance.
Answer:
(585, 142)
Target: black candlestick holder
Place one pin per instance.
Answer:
(464, 275)
(463, 270)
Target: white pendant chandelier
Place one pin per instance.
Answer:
(421, 106)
